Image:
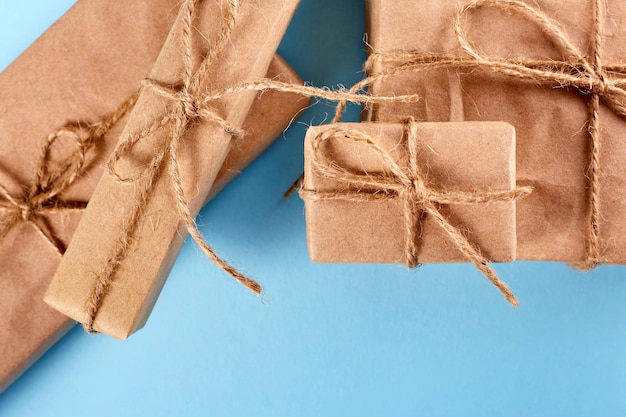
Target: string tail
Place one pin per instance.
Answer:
(296, 184)
(247, 282)
(497, 282)
(190, 223)
(472, 253)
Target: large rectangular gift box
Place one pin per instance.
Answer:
(552, 69)
(170, 152)
(75, 74)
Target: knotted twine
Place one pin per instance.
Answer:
(409, 185)
(588, 74)
(191, 103)
(42, 195)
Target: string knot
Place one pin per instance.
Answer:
(189, 105)
(27, 212)
(600, 86)
(417, 192)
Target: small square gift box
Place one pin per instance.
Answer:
(412, 193)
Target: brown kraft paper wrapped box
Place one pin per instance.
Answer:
(452, 156)
(412, 193)
(78, 78)
(158, 233)
(548, 94)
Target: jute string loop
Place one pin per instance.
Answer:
(587, 73)
(191, 103)
(41, 197)
(408, 185)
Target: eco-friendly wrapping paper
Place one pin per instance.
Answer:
(412, 193)
(553, 113)
(139, 274)
(469, 157)
(73, 71)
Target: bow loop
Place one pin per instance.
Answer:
(540, 19)
(576, 70)
(393, 179)
(56, 171)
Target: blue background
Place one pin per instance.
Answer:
(331, 340)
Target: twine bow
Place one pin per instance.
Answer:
(408, 185)
(42, 195)
(191, 103)
(588, 74)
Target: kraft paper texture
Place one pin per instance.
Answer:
(553, 150)
(468, 156)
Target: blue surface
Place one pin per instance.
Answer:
(331, 340)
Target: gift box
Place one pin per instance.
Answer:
(411, 193)
(78, 80)
(162, 171)
(551, 69)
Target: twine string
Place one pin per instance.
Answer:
(408, 185)
(600, 82)
(191, 103)
(41, 197)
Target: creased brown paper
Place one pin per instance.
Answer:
(552, 69)
(412, 193)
